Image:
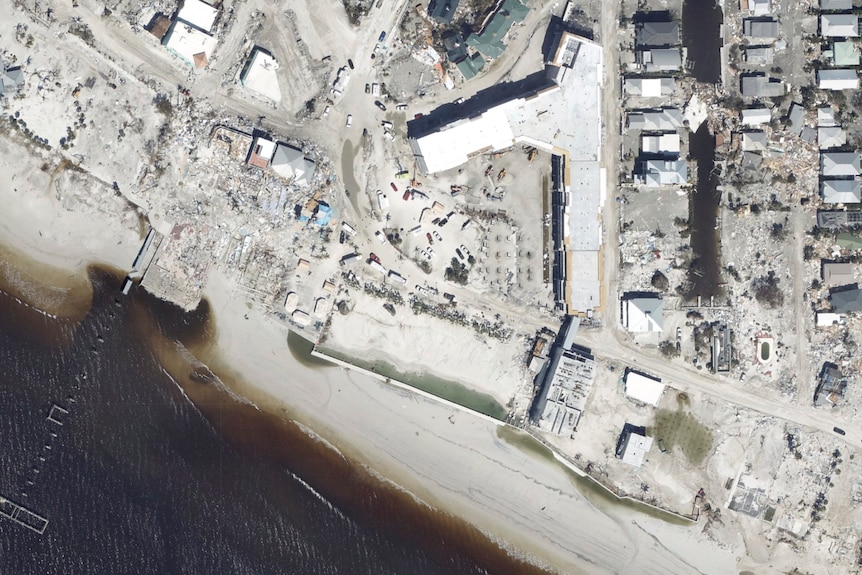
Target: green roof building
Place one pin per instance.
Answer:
(845, 54)
(849, 241)
(490, 42)
(470, 66)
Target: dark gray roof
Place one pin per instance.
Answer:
(658, 34)
(847, 300)
(761, 87)
(442, 10)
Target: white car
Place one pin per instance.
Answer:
(465, 250)
(349, 119)
(431, 252)
(326, 111)
(437, 236)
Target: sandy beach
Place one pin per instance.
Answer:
(449, 459)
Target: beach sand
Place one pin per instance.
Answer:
(451, 460)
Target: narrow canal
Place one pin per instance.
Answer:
(704, 272)
(701, 35)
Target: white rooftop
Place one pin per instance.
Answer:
(260, 75)
(756, 116)
(838, 164)
(642, 388)
(665, 143)
(635, 448)
(649, 87)
(190, 44)
(643, 314)
(198, 14)
(826, 117)
(839, 25)
(831, 137)
(841, 191)
(828, 319)
(841, 79)
(290, 163)
(264, 148)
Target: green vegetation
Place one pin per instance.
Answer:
(83, 32)
(457, 272)
(683, 429)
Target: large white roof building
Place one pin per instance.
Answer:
(564, 119)
(190, 44)
(260, 75)
(199, 14)
(643, 388)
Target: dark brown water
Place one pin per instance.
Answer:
(148, 476)
(705, 271)
(701, 35)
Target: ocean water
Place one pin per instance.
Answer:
(151, 472)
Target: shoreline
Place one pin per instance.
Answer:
(447, 458)
(528, 434)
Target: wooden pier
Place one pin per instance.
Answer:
(22, 516)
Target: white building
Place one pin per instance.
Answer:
(642, 312)
(831, 137)
(756, 116)
(754, 141)
(193, 46)
(841, 79)
(649, 87)
(839, 164)
(199, 14)
(563, 118)
(840, 191)
(839, 25)
(260, 75)
(656, 173)
(663, 144)
(836, 5)
(664, 120)
(291, 164)
(634, 445)
(643, 388)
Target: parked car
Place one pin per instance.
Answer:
(430, 239)
(326, 111)
(350, 63)
(349, 120)
(465, 250)
(437, 236)
(406, 195)
(838, 430)
(380, 105)
(367, 88)
(394, 187)
(459, 254)
(382, 36)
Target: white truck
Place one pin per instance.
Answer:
(396, 277)
(382, 201)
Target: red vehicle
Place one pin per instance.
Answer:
(394, 187)
(406, 195)
(373, 257)
(430, 239)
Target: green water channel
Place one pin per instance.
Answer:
(442, 388)
(589, 488)
(300, 348)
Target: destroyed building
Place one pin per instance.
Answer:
(831, 386)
